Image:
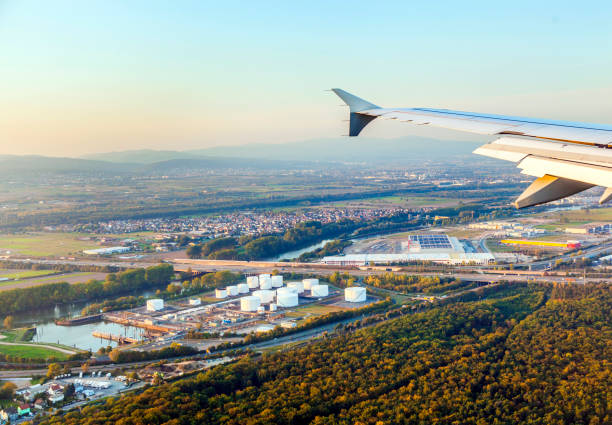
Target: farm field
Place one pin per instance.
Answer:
(55, 244)
(398, 201)
(25, 274)
(71, 278)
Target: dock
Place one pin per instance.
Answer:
(127, 319)
(79, 320)
(117, 338)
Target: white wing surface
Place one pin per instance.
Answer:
(566, 157)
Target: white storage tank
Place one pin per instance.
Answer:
(273, 307)
(265, 283)
(261, 309)
(155, 304)
(264, 328)
(355, 294)
(249, 303)
(319, 290)
(253, 282)
(243, 288)
(299, 286)
(308, 283)
(220, 293)
(195, 301)
(264, 276)
(265, 295)
(232, 291)
(289, 299)
(277, 281)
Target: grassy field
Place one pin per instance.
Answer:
(42, 244)
(45, 244)
(31, 351)
(15, 335)
(395, 201)
(25, 274)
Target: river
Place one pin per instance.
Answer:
(73, 336)
(290, 255)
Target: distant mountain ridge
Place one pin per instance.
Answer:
(343, 150)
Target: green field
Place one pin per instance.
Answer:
(25, 274)
(31, 352)
(41, 244)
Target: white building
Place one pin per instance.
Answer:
(155, 304)
(355, 294)
(107, 251)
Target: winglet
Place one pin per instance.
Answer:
(356, 104)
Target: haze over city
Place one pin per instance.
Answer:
(96, 76)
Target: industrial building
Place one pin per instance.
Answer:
(547, 244)
(591, 229)
(438, 248)
(107, 251)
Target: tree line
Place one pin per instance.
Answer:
(45, 296)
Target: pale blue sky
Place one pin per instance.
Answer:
(89, 76)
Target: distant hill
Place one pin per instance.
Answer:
(343, 150)
(357, 149)
(141, 156)
(17, 163)
(31, 164)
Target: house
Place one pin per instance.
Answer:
(55, 388)
(56, 398)
(8, 414)
(40, 404)
(23, 409)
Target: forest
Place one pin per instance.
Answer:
(528, 354)
(266, 246)
(43, 296)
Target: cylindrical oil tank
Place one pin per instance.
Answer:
(286, 290)
(355, 294)
(273, 307)
(261, 309)
(287, 299)
(299, 286)
(249, 303)
(265, 283)
(265, 295)
(308, 283)
(277, 281)
(264, 275)
(319, 290)
(232, 291)
(243, 288)
(220, 293)
(253, 282)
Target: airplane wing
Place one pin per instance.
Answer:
(566, 157)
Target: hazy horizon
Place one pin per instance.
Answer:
(90, 77)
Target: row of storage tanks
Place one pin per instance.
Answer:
(286, 296)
